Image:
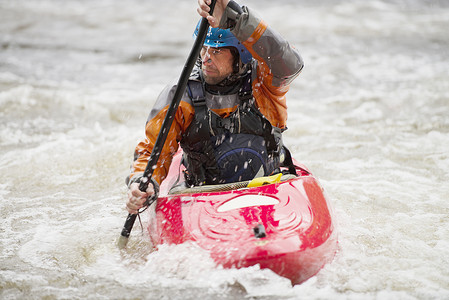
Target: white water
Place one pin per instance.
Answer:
(369, 116)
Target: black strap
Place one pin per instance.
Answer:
(201, 160)
(246, 90)
(288, 161)
(196, 93)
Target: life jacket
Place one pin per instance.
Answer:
(236, 148)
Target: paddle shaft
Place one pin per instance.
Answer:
(168, 120)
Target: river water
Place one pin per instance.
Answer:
(369, 116)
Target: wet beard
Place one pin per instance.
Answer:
(229, 85)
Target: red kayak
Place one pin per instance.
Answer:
(281, 222)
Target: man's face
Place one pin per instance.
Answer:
(216, 64)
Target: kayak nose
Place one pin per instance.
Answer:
(259, 231)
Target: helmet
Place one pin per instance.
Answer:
(217, 37)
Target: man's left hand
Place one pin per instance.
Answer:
(203, 10)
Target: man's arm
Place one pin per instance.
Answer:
(183, 117)
(277, 63)
(266, 45)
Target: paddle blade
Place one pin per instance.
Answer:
(122, 242)
(126, 231)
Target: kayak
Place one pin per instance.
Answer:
(281, 222)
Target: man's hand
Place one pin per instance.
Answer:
(136, 198)
(203, 10)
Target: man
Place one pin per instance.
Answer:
(230, 119)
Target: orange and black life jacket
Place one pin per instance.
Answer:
(235, 148)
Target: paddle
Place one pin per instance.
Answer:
(168, 120)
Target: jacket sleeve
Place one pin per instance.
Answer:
(276, 62)
(183, 117)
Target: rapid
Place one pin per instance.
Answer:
(369, 115)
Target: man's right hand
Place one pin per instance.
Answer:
(137, 198)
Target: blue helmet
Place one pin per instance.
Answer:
(217, 37)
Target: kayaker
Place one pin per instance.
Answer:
(230, 120)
